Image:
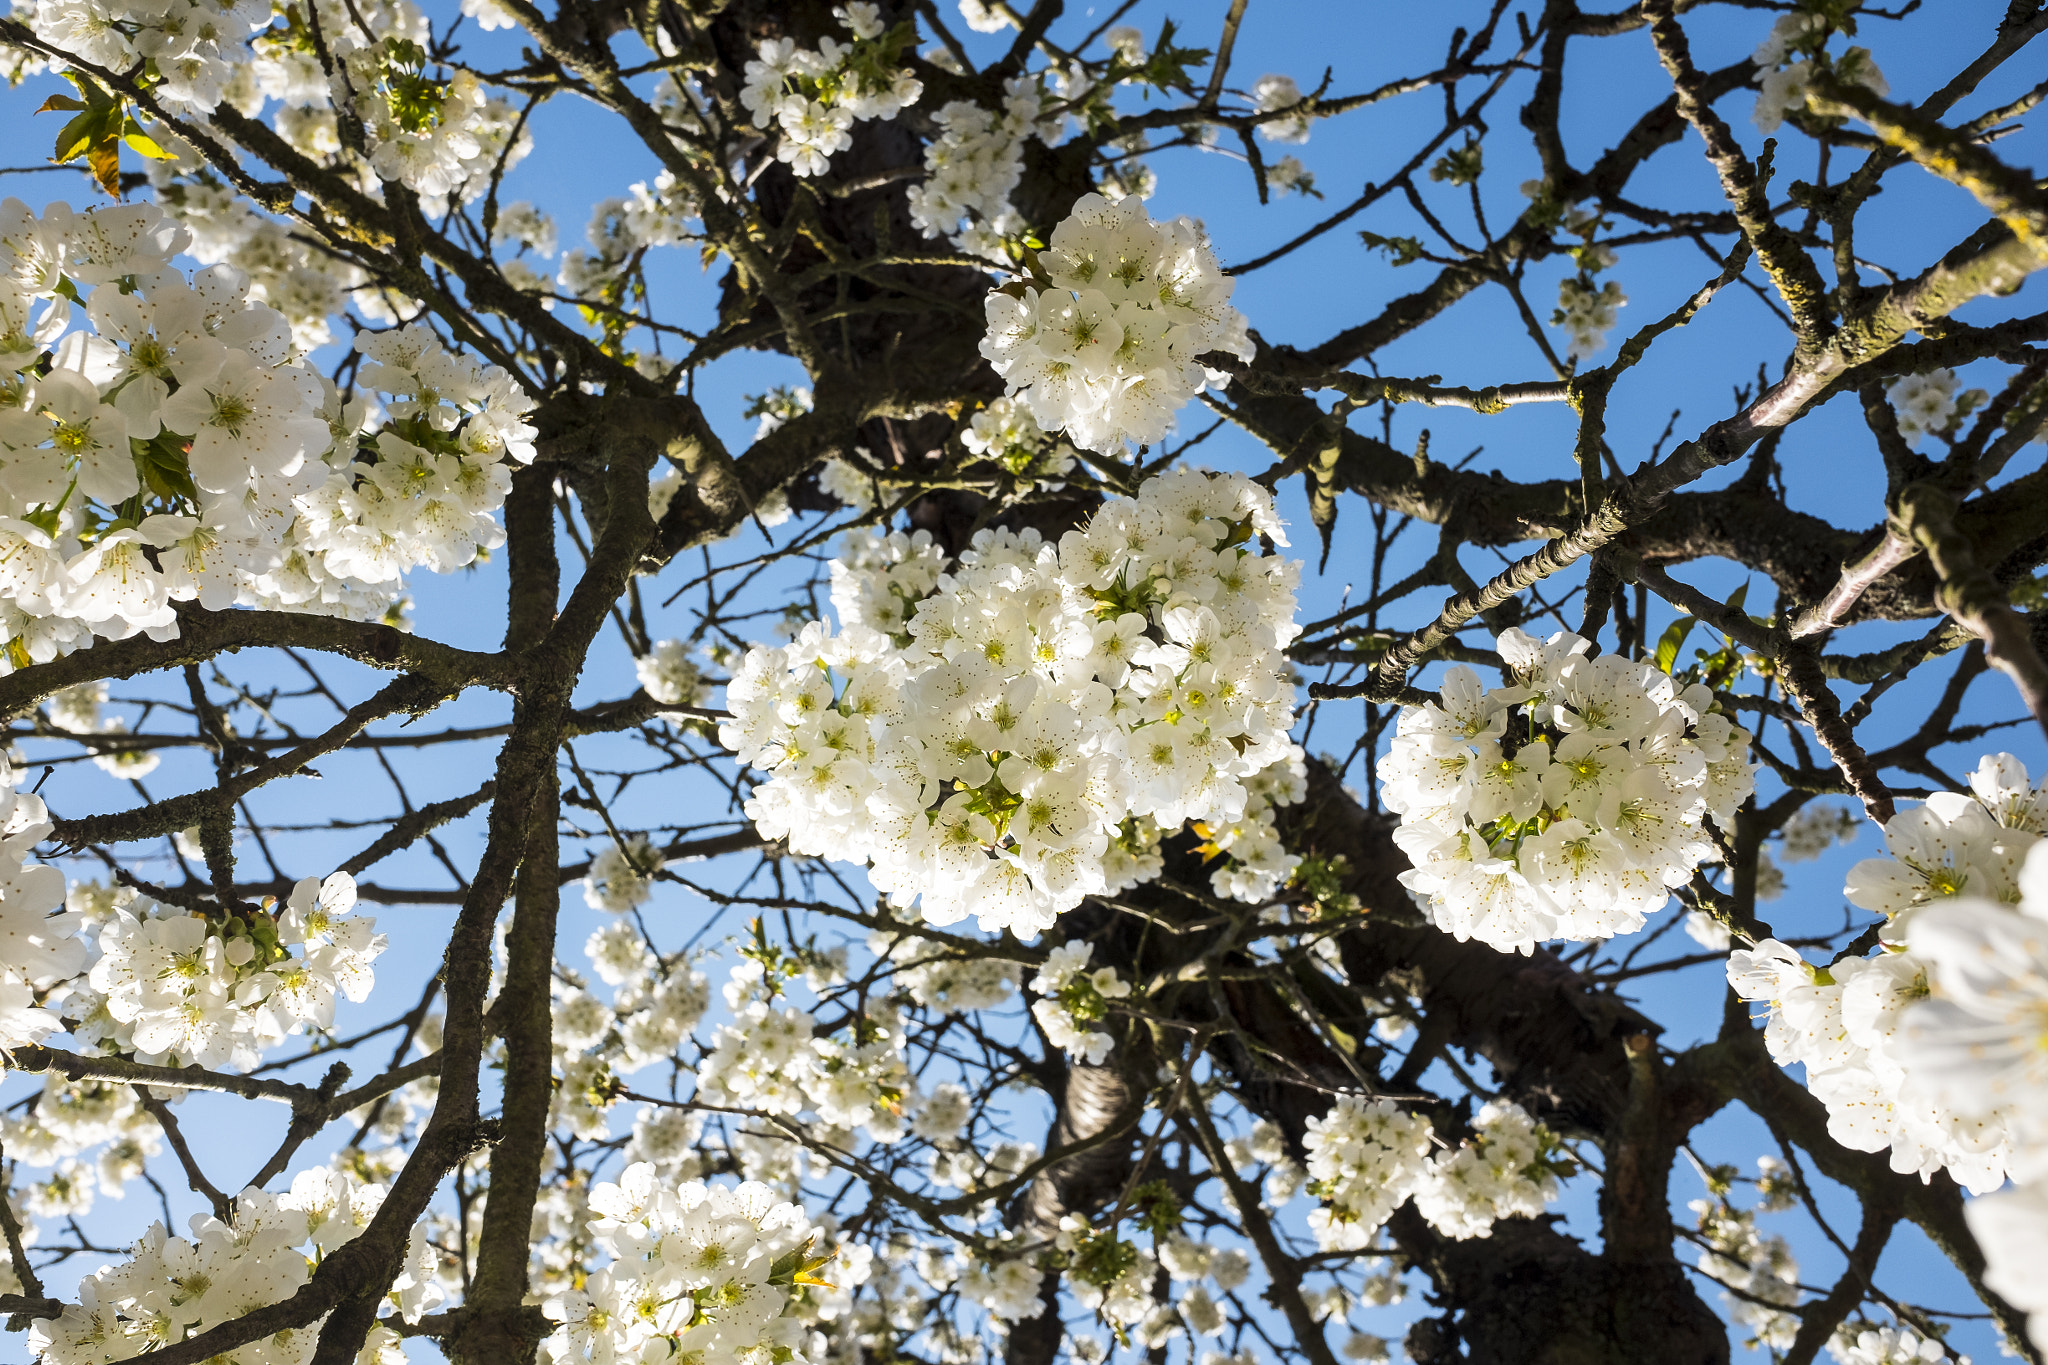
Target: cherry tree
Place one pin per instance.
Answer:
(1084, 833)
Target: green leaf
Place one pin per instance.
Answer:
(1167, 67)
(77, 135)
(162, 463)
(93, 132)
(1400, 250)
(1461, 165)
(1673, 640)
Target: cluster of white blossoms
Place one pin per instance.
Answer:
(177, 452)
(436, 136)
(772, 1059)
(1256, 863)
(424, 133)
(92, 1136)
(1859, 1344)
(941, 979)
(1566, 805)
(1073, 1000)
(1368, 1157)
(815, 96)
(180, 988)
(1509, 1169)
(669, 675)
(1928, 404)
(1842, 1023)
(1955, 844)
(1047, 696)
(1974, 1044)
(697, 1272)
(1587, 312)
(975, 162)
(1005, 432)
(1104, 343)
(1932, 1047)
(1586, 308)
(656, 1003)
(1008, 1289)
(195, 50)
(878, 578)
(1280, 94)
(621, 876)
(1785, 64)
(1759, 1269)
(1226, 1268)
(172, 1288)
(38, 950)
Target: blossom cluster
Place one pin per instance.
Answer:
(1281, 95)
(1861, 1344)
(1931, 1046)
(772, 1059)
(176, 987)
(1202, 1265)
(879, 578)
(38, 950)
(1974, 1046)
(940, 979)
(174, 1288)
(58, 1132)
(431, 136)
(1005, 433)
(438, 136)
(1785, 63)
(1047, 696)
(621, 876)
(1509, 1169)
(656, 1005)
(1073, 1000)
(669, 675)
(1587, 312)
(1566, 805)
(1105, 343)
(194, 51)
(974, 163)
(1896, 1069)
(176, 451)
(815, 96)
(1254, 862)
(1759, 1269)
(1927, 404)
(1368, 1157)
(697, 1271)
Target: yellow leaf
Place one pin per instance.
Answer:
(105, 159)
(147, 146)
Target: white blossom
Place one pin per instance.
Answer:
(1110, 351)
(982, 758)
(1582, 830)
